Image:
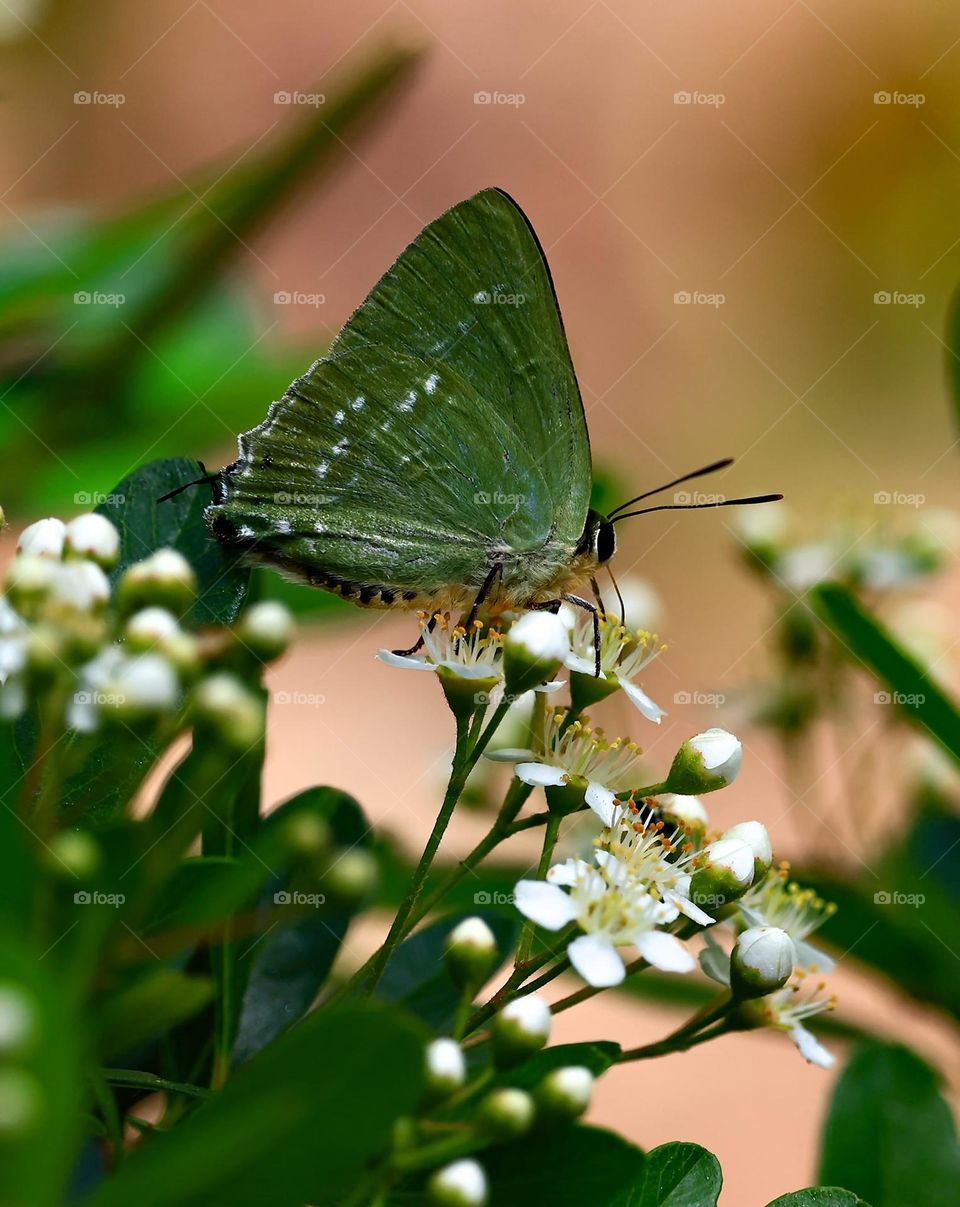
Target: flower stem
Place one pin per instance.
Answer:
(665, 1047)
(550, 835)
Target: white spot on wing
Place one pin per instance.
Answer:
(431, 383)
(283, 526)
(340, 447)
(322, 469)
(407, 403)
(339, 417)
(358, 403)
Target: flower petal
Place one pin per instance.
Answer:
(597, 960)
(548, 688)
(546, 904)
(665, 952)
(509, 754)
(811, 1049)
(691, 910)
(813, 959)
(540, 775)
(568, 873)
(650, 709)
(603, 802)
(408, 661)
(581, 665)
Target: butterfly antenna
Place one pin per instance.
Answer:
(698, 506)
(178, 490)
(697, 473)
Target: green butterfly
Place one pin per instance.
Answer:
(438, 457)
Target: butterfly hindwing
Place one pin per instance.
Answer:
(444, 428)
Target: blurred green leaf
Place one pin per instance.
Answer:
(566, 1168)
(299, 1123)
(889, 1136)
(679, 1175)
(144, 1009)
(819, 1196)
(917, 697)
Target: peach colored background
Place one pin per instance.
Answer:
(797, 198)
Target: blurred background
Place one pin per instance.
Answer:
(750, 214)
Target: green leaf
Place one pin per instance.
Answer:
(291, 964)
(565, 1167)
(819, 1196)
(889, 1136)
(150, 1005)
(301, 1122)
(415, 976)
(679, 1175)
(917, 696)
(597, 1056)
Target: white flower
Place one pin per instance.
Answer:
(13, 641)
(541, 636)
(93, 536)
(687, 810)
(799, 911)
(43, 539)
(611, 911)
(460, 1184)
(578, 755)
(623, 655)
(476, 655)
(788, 1009)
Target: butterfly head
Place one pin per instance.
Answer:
(599, 540)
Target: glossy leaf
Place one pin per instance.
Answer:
(568, 1167)
(679, 1175)
(819, 1196)
(150, 1005)
(890, 1136)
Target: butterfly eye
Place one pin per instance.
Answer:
(605, 542)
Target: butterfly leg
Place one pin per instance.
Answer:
(595, 613)
(418, 644)
(495, 571)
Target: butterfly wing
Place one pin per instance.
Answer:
(443, 431)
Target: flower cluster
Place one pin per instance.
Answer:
(89, 653)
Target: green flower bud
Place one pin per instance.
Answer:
(565, 1093)
(465, 693)
(21, 1103)
(266, 629)
(533, 651)
(230, 709)
(18, 1020)
(165, 579)
(505, 1114)
(705, 763)
(306, 834)
(762, 961)
(446, 1067)
(352, 877)
(460, 1184)
(521, 1028)
(75, 854)
(29, 581)
(723, 872)
(471, 953)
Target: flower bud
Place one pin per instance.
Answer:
(754, 834)
(446, 1067)
(150, 627)
(306, 835)
(266, 629)
(533, 651)
(141, 687)
(29, 580)
(165, 578)
(723, 872)
(565, 1093)
(505, 1114)
(460, 1184)
(18, 1020)
(704, 763)
(74, 854)
(352, 877)
(94, 537)
(686, 811)
(230, 709)
(762, 961)
(43, 539)
(471, 953)
(79, 585)
(521, 1028)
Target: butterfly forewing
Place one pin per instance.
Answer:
(444, 430)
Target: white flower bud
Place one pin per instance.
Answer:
(93, 536)
(29, 579)
(723, 872)
(687, 810)
(534, 650)
(521, 1028)
(231, 709)
(266, 628)
(460, 1184)
(18, 1020)
(351, 877)
(763, 960)
(165, 578)
(150, 627)
(505, 1114)
(43, 539)
(80, 585)
(142, 686)
(754, 834)
(471, 953)
(566, 1091)
(704, 763)
(446, 1067)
